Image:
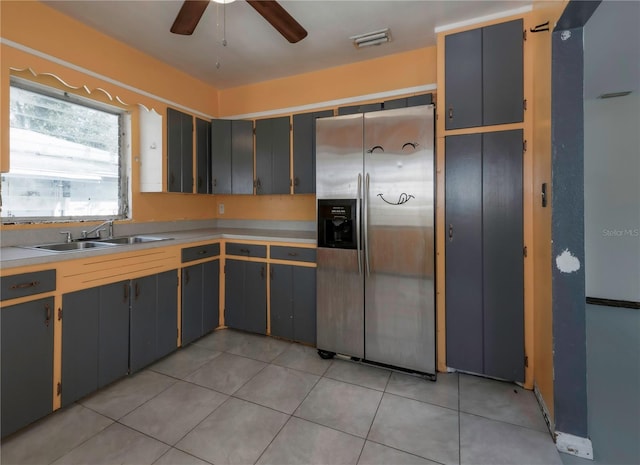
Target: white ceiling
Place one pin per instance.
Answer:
(257, 52)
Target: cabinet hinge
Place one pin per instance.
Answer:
(59, 313)
(524, 34)
(524, 251)
(524, 104)
(290, 182)
(526, 360)
(524, 146)
(59, 389)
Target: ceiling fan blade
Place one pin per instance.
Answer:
(189, 16)
(278, 17)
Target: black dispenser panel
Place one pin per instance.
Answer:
(337, 223)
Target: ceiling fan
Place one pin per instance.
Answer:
(192, 10)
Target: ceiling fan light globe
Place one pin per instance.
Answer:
(223, 1)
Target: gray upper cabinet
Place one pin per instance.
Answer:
(366, 108)
(179, 151)
(231, 156)
(304, 151)
(413, 101)
(27, 363)
(484, 76)
(203, 156)
(273, 155)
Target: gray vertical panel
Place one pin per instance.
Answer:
(167, 313)
(187, 153)
(463, 213)
(242, 157)
(255, 289)
(221, 156)
(191, 303)
(174, 150)
(234, 293)
(567, 231)
(210, 295)
(281, 300)
(502, 73)
(27, 375)
(303, 149)
(80, 344)
(203, 156)
(264, 153)
(142, 322)
(113, 346)
(503, 262)
(304, 304)
(463, 79)
(281, 155)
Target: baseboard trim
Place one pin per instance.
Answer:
(543, 406)
(574, 445)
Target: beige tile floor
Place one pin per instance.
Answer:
(237, 398)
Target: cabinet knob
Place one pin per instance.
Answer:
(296, 181)
(450, 112)
(450, 232)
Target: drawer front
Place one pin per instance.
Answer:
(190, 254)
(21, 285)
(247, 250)
(298, 254)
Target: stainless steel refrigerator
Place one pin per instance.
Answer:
(375, 189)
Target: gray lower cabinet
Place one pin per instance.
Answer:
(246, 295)
(273, 155)
(27, 363)
(231, 156)
(484, 254)
(95, 339)
(304, 151)
(293, 302)
(153, 318)
(200, 300)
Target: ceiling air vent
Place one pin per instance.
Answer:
(371, 38)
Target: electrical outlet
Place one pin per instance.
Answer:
(221, 208)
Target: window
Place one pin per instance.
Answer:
(66, 157)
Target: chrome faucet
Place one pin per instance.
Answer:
(97, 229)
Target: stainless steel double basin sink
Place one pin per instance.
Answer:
(92, 244)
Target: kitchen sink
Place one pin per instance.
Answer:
(70, 246)
(132, 240)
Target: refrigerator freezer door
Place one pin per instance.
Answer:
(340, 285)
(399, 238)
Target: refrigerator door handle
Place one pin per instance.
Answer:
(358, 208)
(366, 222)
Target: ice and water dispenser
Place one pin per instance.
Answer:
(337, 223)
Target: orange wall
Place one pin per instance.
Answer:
(402, 70)
(39, 27)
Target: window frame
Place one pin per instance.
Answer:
(124, 155)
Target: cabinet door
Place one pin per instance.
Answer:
(210, 295)
(192, 279)
(80, 341)
(304, 151)
(272, 156)
(304, 304)
(281, 282)
(502, 73)
(113, 346)
(221, 156)
(203, 156)
(463, 79)
(167, 313)
(186, 157)
(27, 363)
(234, 293)
(255, 289)
(242, 157)
(142, 323)
(174, 150)
(463, 226)
(503, 262)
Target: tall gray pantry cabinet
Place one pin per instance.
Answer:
(484, 254)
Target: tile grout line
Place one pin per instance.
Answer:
(366, 438)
